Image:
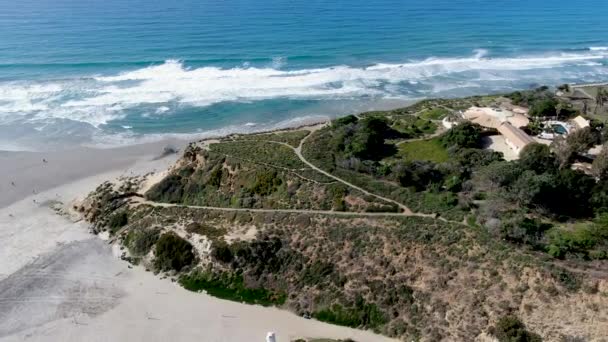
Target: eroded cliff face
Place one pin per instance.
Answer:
(413, 278)
(261, 229)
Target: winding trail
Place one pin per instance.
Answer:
(138, 199)
(141, 200)
(298, 150)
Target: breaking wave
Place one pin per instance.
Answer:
(97, 100)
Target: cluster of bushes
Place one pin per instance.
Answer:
(584, 240)
(537, 182)
(364, 139)
(173, 253)
(465, 135)
(117, 221)
(542, 103)
(230, 286)
(511, 329)
(266, 183)
(140, 241)
(538, 186)
(360, 314)
(411, 126)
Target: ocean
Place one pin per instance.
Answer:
(114, 72)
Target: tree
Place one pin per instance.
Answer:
(538, 158)
(571, 194)
(465, 135)
(365, 139)
(544, 107)
(532, 189)
(599, 168)
(497, 175)
(511, 329)
(563, 151)
(581, 140)
(599, 197)
(172, 253)
(419, 174)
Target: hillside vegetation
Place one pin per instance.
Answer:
(513, 250)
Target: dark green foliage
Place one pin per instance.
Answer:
(231, 287)
(215, 178)
(588, 241)
(141, 241)
(209, 231)
(222, 252)
(529, 97)
(266, 183)
(599, 196)
(538, 158)
(360, 315)
(470, 159)
(567, 279)
(337, 192)
(347, 120)
(318, 273)
(581, 140)
(544, 108)
(173, 253)
(417, 174)
(411, 126)
(570, 195)
(363, 139)
(465, 135)
(170, 189)
(511, 329)
(524, 230)
(118, 220)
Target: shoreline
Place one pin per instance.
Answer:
(76, 288)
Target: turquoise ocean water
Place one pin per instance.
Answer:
(113, 72)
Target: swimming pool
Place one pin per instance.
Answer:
(559, 129)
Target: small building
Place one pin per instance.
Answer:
(515, 138)
(580, 122)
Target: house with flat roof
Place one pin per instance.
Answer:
(515, 138)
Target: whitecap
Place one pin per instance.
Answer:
(101, 99)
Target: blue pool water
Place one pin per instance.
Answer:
(118, 71)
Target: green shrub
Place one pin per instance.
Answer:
(170, 190)
(140, 242)
(465, 135)
(266, 183)
(117, 221)
(210, 232)
(173, 253)
(511, 329)
(230, 287)
(361, 315)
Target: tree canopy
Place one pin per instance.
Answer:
(465, 135)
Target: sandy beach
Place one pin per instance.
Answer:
(60, 283)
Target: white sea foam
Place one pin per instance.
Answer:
(101, 99)
(598, 48)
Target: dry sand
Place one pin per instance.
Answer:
(59, 283)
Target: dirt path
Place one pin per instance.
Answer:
(140, 200)
(298, 151)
